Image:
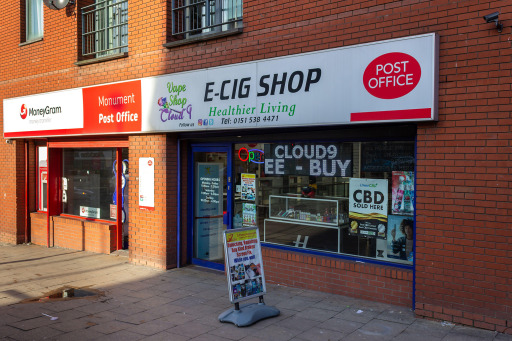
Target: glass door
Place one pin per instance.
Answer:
(211, 209)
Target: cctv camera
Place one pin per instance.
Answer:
(493, 17)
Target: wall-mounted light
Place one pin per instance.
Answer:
(8, 141)
(493, 17)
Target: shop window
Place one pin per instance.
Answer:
(196, 18)
(353, 199)
(33, 19)
(89, 183)
(42, 171)
(105, 28)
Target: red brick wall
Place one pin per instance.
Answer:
(152, 234)
(336, 276)
(78, 234)
(464, 259)
(68, 233)
(39, 232)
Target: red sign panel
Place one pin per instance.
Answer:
(113, 108)
(392, 75)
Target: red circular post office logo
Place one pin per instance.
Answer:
(24, 111)
(150, 163)
(392, 75)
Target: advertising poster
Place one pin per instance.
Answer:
(400, 238)
(402, 193)
(249, 214)
(208, 210)
(368, 207)
(244, 267)
(147, 183)
(248, 187)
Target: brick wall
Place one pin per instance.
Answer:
(152, 233)
(78, 234)
(39, 232)
(463, 255)
(336, 276)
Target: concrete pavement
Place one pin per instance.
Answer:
(138, 303)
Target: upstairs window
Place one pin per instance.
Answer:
(34, 19)
(105, 28)
(195, 18)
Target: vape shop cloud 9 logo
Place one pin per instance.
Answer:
(24, 111)
(392, 75)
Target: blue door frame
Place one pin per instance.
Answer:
(222, 148)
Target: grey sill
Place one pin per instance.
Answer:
(203, 37)
(102, 59)
(28, 42)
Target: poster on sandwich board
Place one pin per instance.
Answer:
(244, 267)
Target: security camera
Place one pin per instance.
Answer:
(493, 17)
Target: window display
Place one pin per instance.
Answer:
(88, 182)
(352, 198)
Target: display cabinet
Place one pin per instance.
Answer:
(321, 211)
(313, 223)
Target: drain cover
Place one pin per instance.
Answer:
(65, 293)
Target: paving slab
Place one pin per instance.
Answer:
(140, 303)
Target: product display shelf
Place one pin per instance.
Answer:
(320, 211)
(297, 221)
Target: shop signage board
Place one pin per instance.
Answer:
(381, 82)
(368, 207)
(208, 210)
(387, 81)
(244, 265)
(104, 109)
(55, 113)
(147, 183)
(112, 108)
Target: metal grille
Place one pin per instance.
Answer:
(105, 28)
(192, 17)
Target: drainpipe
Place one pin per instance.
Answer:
(178, 256)
(26, 191)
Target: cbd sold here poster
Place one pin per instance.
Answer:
(368, 213)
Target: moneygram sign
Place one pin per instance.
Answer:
(36, 112)
(56, 113)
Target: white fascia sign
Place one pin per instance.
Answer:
(53, 113)
(381, 82)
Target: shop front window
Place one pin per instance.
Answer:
(89, 183)
(345, 198)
